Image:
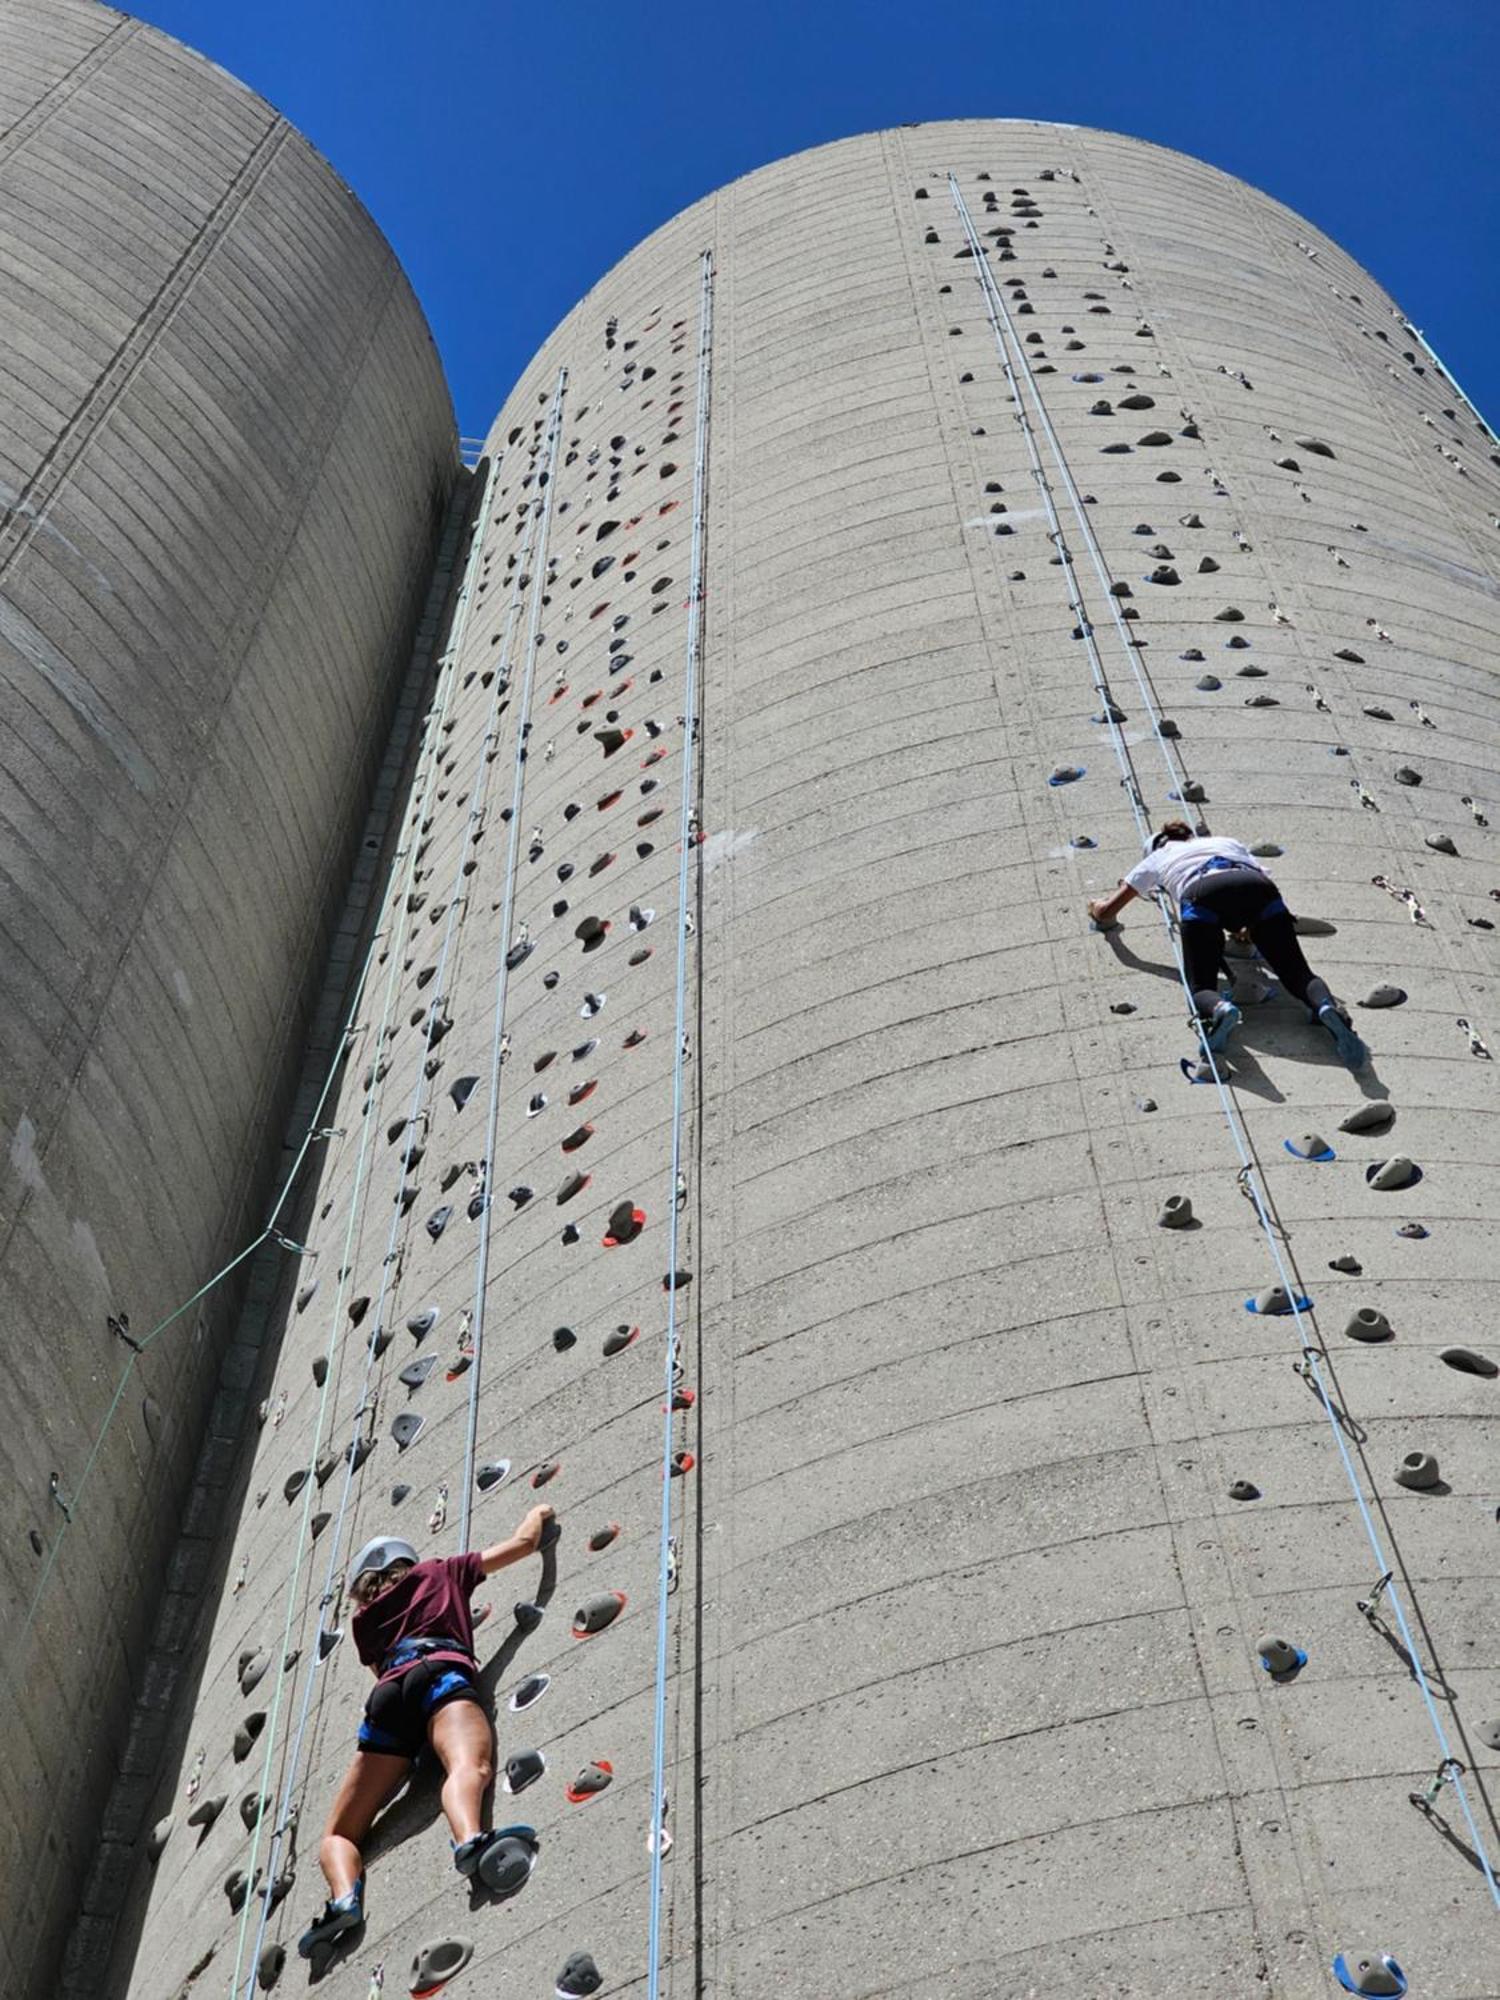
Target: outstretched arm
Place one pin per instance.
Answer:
(524, 1542)
(1105, 909)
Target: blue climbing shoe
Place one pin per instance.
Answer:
(1221, 1024)
(340, 1914)
(466, 1853)
(1350, 1048)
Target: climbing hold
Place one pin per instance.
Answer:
(1243, 1490)
(437, 1222)
(1405, 775)
(1489, 1734)
(591, 932)
(252, 1670)
(305, 1296)
(158, 1837)
(293, 1484)
(491, 1473)
(520, 1194)
(563, 1337)
(1280, 1656)
(436, 1963)
(1176, 1212)
(1371, 1972)
(320, 1369)
(326, 1643)
(619, 1339)
(1442, 843)
(237, 1888)
(591, 1781)
(1419, 1471)
(406, 1428)
(269, 1966)
(207, 1810)
(577, 1138)
(597, 1613)
(506, 1864)
(676, 1281)
(399, 1492)
(626, 1222)
(415, 1373)
(1276, 1299)
(421, 1324)
(682, 1464)
(1208, 683)
(1414, 1230)
(1398, 1172)
(527, 1615)
(1384, 996)
(1373, 1117)
(575, 1183)
(578, 1978)
(592, 1004)
(1351, 1266)
(601, 1538)
(545, 1472)
(379, 1341)
(1467, 1362)
(247, 1733)
(1066, 774)
(523, 1768)
(252, 1805)
(1309, 1146)
(529, 1691)
(1168, 730)
(1365, 1323)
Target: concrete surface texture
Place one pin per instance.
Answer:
(225, 446)
(991, 1491)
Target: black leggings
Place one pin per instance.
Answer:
(1233, 899)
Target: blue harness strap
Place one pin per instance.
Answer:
(1189, 912)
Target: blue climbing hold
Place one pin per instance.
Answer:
(1067, 774)
(1369, 1972)
(1309, 1146)
(1277, 1300)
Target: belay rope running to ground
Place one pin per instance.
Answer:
(687, 853)
(1016, 365)
(395, 937)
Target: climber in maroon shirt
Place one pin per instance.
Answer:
(414, 1628)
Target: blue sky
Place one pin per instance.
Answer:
(513, 153)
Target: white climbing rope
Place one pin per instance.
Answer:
(1249, 1175)
(542, 522)
(687, 851)
(447, 678)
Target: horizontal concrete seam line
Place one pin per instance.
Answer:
(1023, 947)
(65, 87)
(772, 830)
(1059, 1937)
(1048, 1391)
(879, 1082)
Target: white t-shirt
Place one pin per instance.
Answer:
(1173, 865)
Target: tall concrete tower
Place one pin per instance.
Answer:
(226, 450)
(744, 1141)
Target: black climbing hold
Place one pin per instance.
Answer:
(399, 1492)
(421, 1324)
(326, 1643)
(320, 1369)
(529, 1691)
(237, 1888)
(1414, 1230)
(574, 1184)
(437, 1222)
(1467, 1362)
(1366, 1323)
(596, 1614)
(252, 1805)
(247, 1733)
(579, 1976)
(682, 1464)
(563, 1337)
(269, 1966)
(523, 1768)
(1243, 1490)
(379, 1341)
(676, 1281)
(1348, 653)
(520, 1194)
(1405, 775)
(601, 1538)
(527, 1615)
(294, 1483)
(461, 1090)
(436, 1963)
(626, 1222)
(406, 1428)
(1066, 774)
(1384, 996)
(491, 1473)
(1351, 1266)
(357, 1309)
(1442, 843)
(591, 932)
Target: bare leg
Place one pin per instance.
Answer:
(371, 1780)
(465, 1746)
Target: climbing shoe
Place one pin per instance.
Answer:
(1221, 1024)
(466, 1853)
(1351, 1049)
(340, 1914)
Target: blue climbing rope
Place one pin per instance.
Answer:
(1312, 1354)
(686, 830)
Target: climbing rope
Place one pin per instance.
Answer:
(687, 847)
(1012, 351)
(447, 678)
(541, 521)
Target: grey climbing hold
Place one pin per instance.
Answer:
(1369, 1972)
(406, 1428)
(437, 1222)
(1414, 1230)
(158, 1837)
(1145, 1104)
(1279, 1656)
(237, 1888)
(1350, 1266)
(415, 1373)
(491, 1473)
(1348, 653)
(305, 1296)
(1419, 1471)
(597, 1613)
(380, 1340)
(1265, 849)
(440, 1960)
(578, 1978)
(1164, 573)
(1398, 1172)
(252, 1670)
(1316, 446)
(1208, 683)
(523, 1768)
(1230, 615)
(1176, 1212)
(1442, 843)
(1168, 729)
(618, 1339)
(294, 1482)
(527, 1615)
(421, 1324)
(1310, 1146)
(1366, 1323)
(461, 1090)
(399, 1492)
(1377, 714)
(246, 1735)
(601, 1538)
(269, 1966)
(574, 1183)
(1467, 1362)
(1274, 1299)
(207, 1810)
(506, 1864)
(1192, 653)
(1262, 701)
(252, 1805)
(1122, 1006)
(1405, 775)
(1489, 1734)
(1243, 1490)
(320, 1369)
(1384, 996)
(1378, 1116)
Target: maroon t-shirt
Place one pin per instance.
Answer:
(431, 1601)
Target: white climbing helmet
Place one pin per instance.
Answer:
(378, 1556)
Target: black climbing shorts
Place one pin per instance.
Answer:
(399, 1709)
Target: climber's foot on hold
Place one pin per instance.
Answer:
(340, 1914)
(1221, 1024)
(1350, 1048)
(467, 1853)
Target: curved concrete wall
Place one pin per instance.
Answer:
(225, 446)
(964, 1694)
